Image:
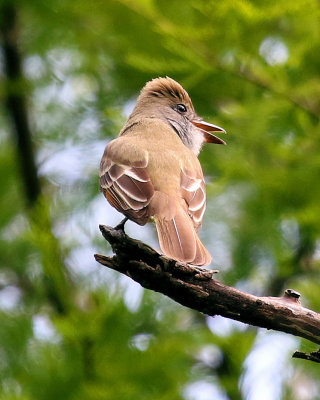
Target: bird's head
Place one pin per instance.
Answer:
(164, 98)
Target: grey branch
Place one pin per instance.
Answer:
(195, 288)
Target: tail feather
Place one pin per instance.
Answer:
(179, 240)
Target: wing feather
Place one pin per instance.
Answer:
(127, 186)
(193, 191)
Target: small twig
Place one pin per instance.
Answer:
(313, 356)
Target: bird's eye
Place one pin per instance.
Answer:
(181, 108)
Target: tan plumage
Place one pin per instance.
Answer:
(152, 169)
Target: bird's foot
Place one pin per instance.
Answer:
(120, 227)
(204, 274)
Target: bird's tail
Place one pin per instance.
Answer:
(179, 240)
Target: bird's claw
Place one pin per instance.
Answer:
(120, 227)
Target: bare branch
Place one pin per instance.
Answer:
(195, 288)
(313, 356)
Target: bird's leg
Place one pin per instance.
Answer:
(120, 227)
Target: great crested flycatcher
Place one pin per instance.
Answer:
(151, 171)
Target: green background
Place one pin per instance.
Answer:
(70, 329)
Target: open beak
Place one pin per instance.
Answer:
(206, 129)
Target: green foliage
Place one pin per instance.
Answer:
(251, 67)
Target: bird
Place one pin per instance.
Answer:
(151, 171)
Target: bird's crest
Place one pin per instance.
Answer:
(164, 87)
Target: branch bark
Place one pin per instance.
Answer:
(195, 288)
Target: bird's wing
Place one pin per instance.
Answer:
(193, 191)
(126, 184)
